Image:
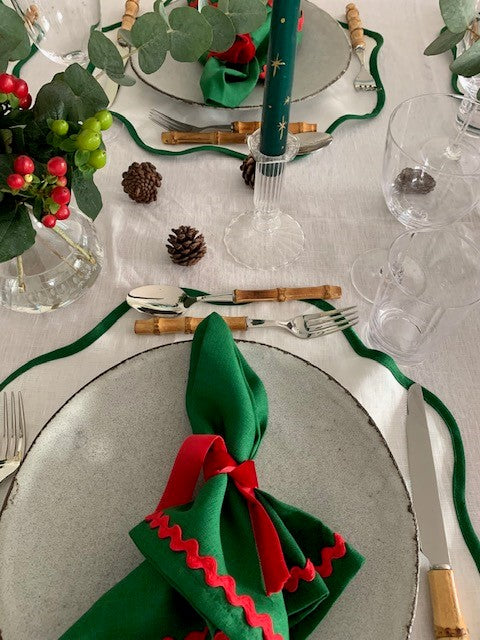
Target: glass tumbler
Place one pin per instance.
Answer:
(60, 29)
(429, 284)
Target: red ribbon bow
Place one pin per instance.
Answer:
(209, 452)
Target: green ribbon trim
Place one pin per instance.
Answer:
(459, 467)
(224, 150)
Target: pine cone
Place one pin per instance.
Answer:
(248, 171)
(414, 181)
(186, 246)
(141, 182)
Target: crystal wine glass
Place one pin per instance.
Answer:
(60, 29)
(431, 173)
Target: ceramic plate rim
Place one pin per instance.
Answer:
(370, 420)
(254, 106)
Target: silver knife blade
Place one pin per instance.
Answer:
(426, 501)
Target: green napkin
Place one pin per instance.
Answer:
(233, 562)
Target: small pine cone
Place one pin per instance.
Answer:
(186, 246)
(414, 181)
(248, 171)
(141, 182)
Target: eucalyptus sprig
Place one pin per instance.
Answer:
(185, 32)
(460, 17)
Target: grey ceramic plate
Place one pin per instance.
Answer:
(101, 464)
(322, 58)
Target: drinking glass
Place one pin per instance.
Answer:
(60, 29)
(431, 172)
(430, 282)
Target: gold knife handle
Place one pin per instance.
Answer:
(448, 620)
(355, 26)
(325, 292)
(293, 127)
(193, 137)
(129, 17)
(182, 325)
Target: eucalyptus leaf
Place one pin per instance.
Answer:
(3, 64)
(16, 231)
(190, 36)
(445, 41)
(73, 95)
(457, 14)
(125, 36)
(149, 36)
(159, 7)
(104, 54)
(14, 42)
(68, 145)
(81, 157)
(246, 15)
(468, 64)
(86, 193)
(123, 79)
(222, 27)
(38, 208)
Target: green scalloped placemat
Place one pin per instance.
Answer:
(459, 467)
(230, 152)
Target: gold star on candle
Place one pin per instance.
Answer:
(287, 100)
(282, 125)
(282, 20)
(276, 64)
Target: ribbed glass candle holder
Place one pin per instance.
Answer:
(267, 237)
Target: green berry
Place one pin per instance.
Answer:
(98, 159)
(92, 124)
(60, 127)
(105, 119)
(88, 140)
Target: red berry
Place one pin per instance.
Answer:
(57, 166)
(63, 213)
(25, 103)
(62, 181)
(7, 83)
(49, 220)
(60, 195)
(23, 165)
(15, 181)
(21, 88)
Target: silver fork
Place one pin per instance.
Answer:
(12, 436)
(309, 325)
(175, 125)
(364, 80)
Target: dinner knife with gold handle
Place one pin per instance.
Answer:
(448, 620)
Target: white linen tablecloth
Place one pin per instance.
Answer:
(336, 196)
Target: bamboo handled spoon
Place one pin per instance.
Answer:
(167, 301)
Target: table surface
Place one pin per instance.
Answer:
(336, 196)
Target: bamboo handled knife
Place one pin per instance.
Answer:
(448, 620)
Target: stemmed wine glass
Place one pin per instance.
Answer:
(60, 29)
(431, 173)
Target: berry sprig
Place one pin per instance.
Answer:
(50, 191)
(84, 140)
(14, 93)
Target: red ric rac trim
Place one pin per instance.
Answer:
(338, 550)
(324, 569)
(208, 564)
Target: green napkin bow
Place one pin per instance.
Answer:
(208, 567)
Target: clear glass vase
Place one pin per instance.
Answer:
(57, 270)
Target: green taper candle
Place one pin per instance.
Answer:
(279, 79)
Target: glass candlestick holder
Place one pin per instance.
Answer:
(266, 238)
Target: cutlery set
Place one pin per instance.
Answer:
(12, 435)
(169, 304)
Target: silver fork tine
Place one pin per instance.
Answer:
(332, 312)
(5, 428)
(335, 329)
(13, 425)
(329, 325)
(20, 447)
(331, 319)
